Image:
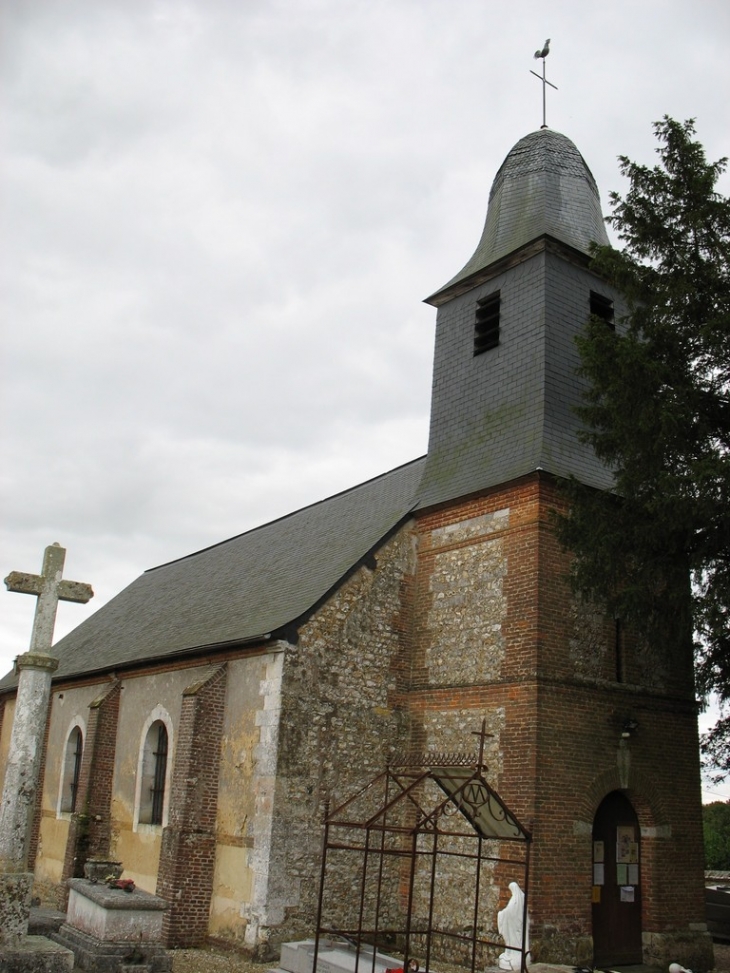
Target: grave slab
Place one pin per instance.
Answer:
(334, 957)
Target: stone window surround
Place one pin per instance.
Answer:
(158, 714)
(66, 767)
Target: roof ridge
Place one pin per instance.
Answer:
(292, 513)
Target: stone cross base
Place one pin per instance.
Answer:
(15, 894)
(36, 954)
(20, 953)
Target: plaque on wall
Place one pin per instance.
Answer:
(626, 846)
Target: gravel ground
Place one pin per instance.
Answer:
(214, 961)
(218, 961)
(722, 956)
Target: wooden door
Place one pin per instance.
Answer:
(616, 883)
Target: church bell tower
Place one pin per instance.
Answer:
(504, 382)
(579, 715)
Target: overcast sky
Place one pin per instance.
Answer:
(219, 220)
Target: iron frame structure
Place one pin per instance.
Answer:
(405, 821)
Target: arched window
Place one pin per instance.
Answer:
(153, 775)
(71, 770)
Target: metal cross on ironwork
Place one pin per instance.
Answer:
(483, 735)
(543, 54)
(49, 588)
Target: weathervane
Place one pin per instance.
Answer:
(543, 54)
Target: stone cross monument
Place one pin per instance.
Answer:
(35, 669)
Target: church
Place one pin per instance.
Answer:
(201, 720)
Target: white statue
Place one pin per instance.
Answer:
(509, 924)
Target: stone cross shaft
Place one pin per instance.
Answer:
(49, 589)
(35, 671)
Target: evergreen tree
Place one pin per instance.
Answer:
(716, 828)
(657, 412)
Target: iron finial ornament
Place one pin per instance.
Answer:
(543, 53)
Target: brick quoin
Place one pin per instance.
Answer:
(101, 771)
(89, 833)
(187, 855)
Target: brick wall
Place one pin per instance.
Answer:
(187, 857)
(103, 723)
(469, 659)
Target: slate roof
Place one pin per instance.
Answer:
(243, 588)
(543, 187)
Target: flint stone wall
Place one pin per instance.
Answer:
(342, 716)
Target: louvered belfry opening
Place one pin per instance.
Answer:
(486, 324)
(602, 307)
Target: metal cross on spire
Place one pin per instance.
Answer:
(543, 54)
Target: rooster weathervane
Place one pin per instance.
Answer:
(543, 54)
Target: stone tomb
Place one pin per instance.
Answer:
(111, 930)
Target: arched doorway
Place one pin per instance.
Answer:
(616, 883)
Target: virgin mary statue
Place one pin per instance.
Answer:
(509, 923)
